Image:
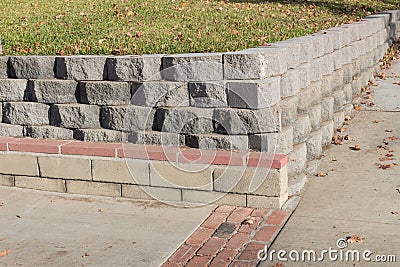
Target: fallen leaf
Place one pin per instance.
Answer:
(5, 252)
(389, 155)
(372, 83)
(356, 147)
(388, 131)
(278, 265)
(378, 121)
(384, 166)
(334, 159)
(357, 107)
(18, 216)
(347, 118)
(321, 174)
(100, 210)
(341, 130)
(347, 137)
(85, 255)
(1, 204)
(354, 239)
(398, 83)
(386, 158)
(393, 138)
(248, 221)
(398, 189)
(394, 212)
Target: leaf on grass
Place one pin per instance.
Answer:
(354, 239)
(5, 253)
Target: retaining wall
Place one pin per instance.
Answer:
(286, 98)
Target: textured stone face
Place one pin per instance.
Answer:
(160, 94)
(32, 67)
(126, 118)
(105, 93)
(75, 116)
(12, 89)
(48, 132)
(81, 68)
(52, 91)
(3, 67)
(207, 94)
(25, 113)
(97, 135)
(193, 67)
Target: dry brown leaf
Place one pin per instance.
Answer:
(341, 130)
(278, 265)
(372, 83)
(386, 158)
(357, 107)
(394, 212)
(356, 147)
(354, 239)
(389, 131)
(100, 210)
(384, 166)
(321, 174)
(398, 83)
(5, 253)
(248, 221)
(378, 121)
(393, 138)
(334, 159)
(347, 118)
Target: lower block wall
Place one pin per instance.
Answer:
(184, 184)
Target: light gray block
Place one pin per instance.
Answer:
(81, 68)
(337, 80)
(160, 94)
(326, 85)
(104, 93)
(327, 64)
(98, 135)
(11, 130)
(337, 56)
(156, 138)
(52, 91)
(135, 68)
(347, 90)
(338, 119)
(75, 116)
(25, 113)
(48, 132)
(327, 131)
(126, 118)
(275, 58)
(12, 89)
(254, 63)
(185, 120)
(347, 73)
(208, 94)
(315, 115)
(294, 80)
(291, 52)
(242, 121)
(338, 37)
(297, 159)
(315, 69)
(288, 107)
(3, 67)
(193, 67)
(31, 67)
(314, 145)
(214, 141)
(301, 129)
(340, 100)
(327, 108)
(281, 142)
(255, 94)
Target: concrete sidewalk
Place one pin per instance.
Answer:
(51, 229)
(357, 197)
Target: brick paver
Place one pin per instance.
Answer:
(230, 236)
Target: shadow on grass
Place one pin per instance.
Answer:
(357, 7)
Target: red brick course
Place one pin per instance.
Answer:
(162, 153)
(239, 248)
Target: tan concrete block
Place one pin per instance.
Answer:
(54, 185)
(181, 175)
(19, 164)
(65, 167)
(153, 193)
(266, 202)
(259, 181)
(93, 188)
(207, 197)
(121, 171)
(6, 180)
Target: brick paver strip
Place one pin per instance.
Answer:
(162, 153)
(37, 145)
(224, 239)
(199, 261)
(212, 246)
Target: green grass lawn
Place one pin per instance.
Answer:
(65, 27)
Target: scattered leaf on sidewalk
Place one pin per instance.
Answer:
(398, 189)
(321, 174)
(372, 83)
(356, 147)
(357, 107)
(378, 121)
(389, 155)
(382, 76)
(395, 212)
(100, 210)
(334, 159)
(371, 104)
(278, 265)
(386, 158)
(18, 216)
(347, 118)
(85, 255)
(5, 253)
(1, 204)
(347, 137)
(389, 131)
(393, 138)
(384, 166)
(354, 239)
(383, 147)
(398, 83)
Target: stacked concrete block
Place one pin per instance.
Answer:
(75, 116)
(25, 113)
(52, 91)
(3, 67)
(81, 68)
(31, 67)
(160, 94)
(104, 93)
(208, 94)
